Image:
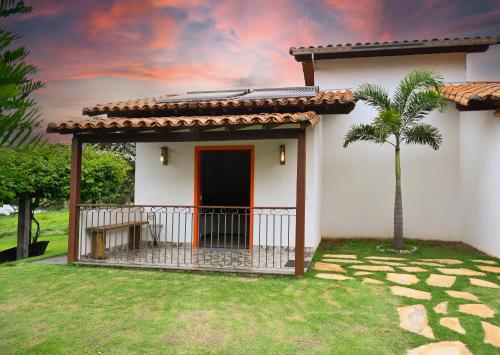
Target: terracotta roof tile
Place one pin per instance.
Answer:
(404, 47)
(335, 97)
(463, 93)
(181, 121)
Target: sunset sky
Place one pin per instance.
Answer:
(92, 51)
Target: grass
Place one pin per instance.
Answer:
(54, 228)
(74, 309)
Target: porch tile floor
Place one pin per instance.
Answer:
(261, 260)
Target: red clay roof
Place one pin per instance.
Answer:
(368, 49)
(465, 93)
(153, 107)
(114, 123)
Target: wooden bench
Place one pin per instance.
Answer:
(98, 237)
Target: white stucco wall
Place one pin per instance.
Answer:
(480, 180)
(274, 184)
(358, 182)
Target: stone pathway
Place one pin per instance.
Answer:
(372, 267)
(452, 323)
(477, 309)
(460, 272)
(328, 267)
(495, 269)
(441, 308)
(463, 295)
(414, 319)
(483, 283)
(440, 280)
(334, 277)
(412, 269)
(491, 334)
(441, 348)
(402, 279)
(442, 277)
(410, 293)
(60, 259)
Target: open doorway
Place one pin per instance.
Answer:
(224, 192)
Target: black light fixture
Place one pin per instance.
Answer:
(282, 155)
(164, 155)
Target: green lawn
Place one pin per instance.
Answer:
(54, 228)
(55, 309)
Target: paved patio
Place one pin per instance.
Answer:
(261, 260)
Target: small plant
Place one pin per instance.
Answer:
(399, 121)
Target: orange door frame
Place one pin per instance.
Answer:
(197, 151)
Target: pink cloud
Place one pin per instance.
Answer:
(364, 17)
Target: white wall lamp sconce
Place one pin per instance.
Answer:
(164, 155)
(282, 155)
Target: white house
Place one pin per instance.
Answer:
(252, 179)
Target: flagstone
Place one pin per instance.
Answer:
(340, 256)
(390, 263)
(414, 319)
(491, 334)
(440, 280)
(441, 308)
(441, 348)
(483, 283)
(412, 269)
(368, 280)
(362, 273)
(343, 261)
(477, 309)
(495, 269)
(410, 293)
(328, 267)
(482, 261)
(452, 323)
(425, 263)
(372, 267)
(384, 258)
(462, 294)
(333, 277)
(403, 279)
(444, 261)
(460, 272)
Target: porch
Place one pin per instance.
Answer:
(230, 239)
(170, 229)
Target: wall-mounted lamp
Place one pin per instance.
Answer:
(164, 155)
(282, 154)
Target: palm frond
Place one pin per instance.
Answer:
(416, 81)
(423, 133)
(11, 7)
(387, 122)
(374, 95)
(362, 132)
(422, 103)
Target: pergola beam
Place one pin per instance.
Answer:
(120, 137)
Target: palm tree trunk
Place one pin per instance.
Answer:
(398, 207)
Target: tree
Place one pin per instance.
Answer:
(399, 121)
(19, 116)
(40, 176)
(104, 176)
(127, 151)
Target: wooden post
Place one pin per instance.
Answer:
(300, 204)
(74, 198)
(23, 227)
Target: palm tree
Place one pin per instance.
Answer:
(399, 121)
